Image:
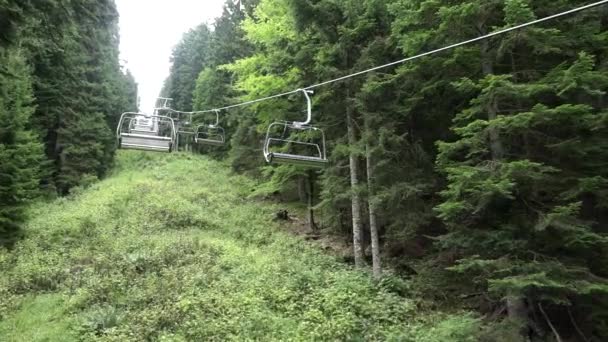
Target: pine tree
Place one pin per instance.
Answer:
(189, 58)
(512, 204)
(21, 155)
(78, 87)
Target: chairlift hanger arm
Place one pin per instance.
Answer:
(217, 119)
(308, 107)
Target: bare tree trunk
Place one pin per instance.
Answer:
(354, 182)
(311, 195)
(302, 192)
(373, 225)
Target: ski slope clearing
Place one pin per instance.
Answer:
(171, 248)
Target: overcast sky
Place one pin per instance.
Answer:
(149, 29)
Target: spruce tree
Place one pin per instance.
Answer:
(521, 181)
(189, 58)
(78, 87)
(21, 155)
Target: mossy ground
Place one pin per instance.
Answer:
(170, 247)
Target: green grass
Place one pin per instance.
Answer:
(170, 248)
(40, 318)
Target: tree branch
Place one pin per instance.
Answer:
(578, 330)
(557, 337)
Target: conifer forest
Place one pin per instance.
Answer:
(437, 191)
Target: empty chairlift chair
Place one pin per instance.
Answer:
(163, 103)
(296, 143)
(211, 134)
(146, 132)
(185, 130)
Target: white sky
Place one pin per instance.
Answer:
(149, 29)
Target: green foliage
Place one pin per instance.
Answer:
(189, 58)
(21, 154)
(487, 170)
(60, 84)
(495, 151)
(39, 318)
(79, 88)
(198, 80)
(168, 248)
(211, 89)
(457, 327)
(525, 143)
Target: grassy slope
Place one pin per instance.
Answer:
(170, 248)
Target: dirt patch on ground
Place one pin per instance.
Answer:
(328, 242)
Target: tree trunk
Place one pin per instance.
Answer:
(516, 307)
(491, 107)
(311, 195)
(302, 191)
(518, 314)
(354, 182)
(373, 225)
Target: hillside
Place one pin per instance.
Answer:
(170, 248)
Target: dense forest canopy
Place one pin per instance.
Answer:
(480, 173)
(62, 91)
(475, 180)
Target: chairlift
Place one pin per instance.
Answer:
(142, 125)
(211, 134)
(163, 103)
(296, 143)
(184, 128)
(146, 132)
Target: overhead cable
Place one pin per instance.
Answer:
(408, 59)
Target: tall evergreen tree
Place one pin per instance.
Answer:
(514, 203)
(78, 86)
(21, 155)
(189, 58)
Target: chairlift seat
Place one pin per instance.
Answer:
(298, 160)
(188, 131)
(310, 154)
(211, 142)
(145, 142)
(212, 135)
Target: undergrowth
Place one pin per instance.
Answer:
(170, 248)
